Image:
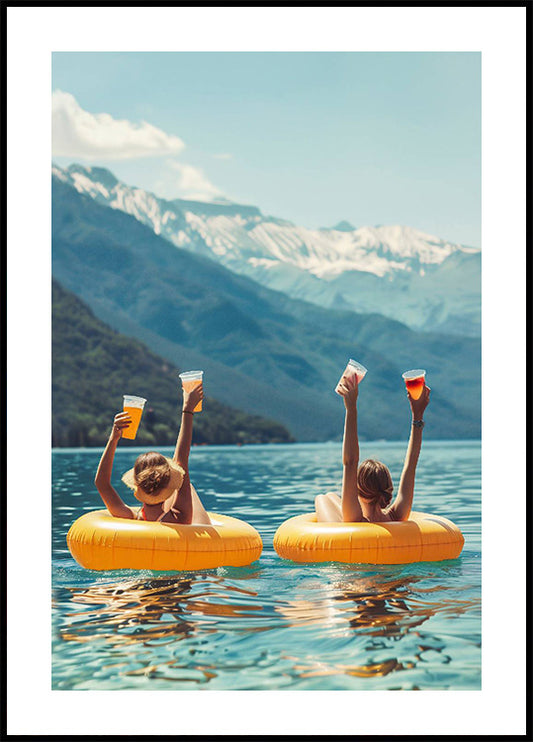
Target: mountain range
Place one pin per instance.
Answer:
(262, 351)
(423, 281)
(93, 366)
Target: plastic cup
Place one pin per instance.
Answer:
(190, 380)
(415, 380)
(135, 406)
(355, 373)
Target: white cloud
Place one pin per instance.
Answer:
(191, 182)
(223, 156)
(78, 133)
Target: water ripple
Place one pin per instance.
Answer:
(273, 625)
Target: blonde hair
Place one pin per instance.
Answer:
(152, 472)
(374, 482)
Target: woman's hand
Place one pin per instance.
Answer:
(193, 397)
(121, 421)
(102, 480)
(419, 405)
(348, 388)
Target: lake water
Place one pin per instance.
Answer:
(274, 625)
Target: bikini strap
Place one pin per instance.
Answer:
(140, 514)
(170, 510)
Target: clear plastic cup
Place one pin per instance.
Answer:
(190, 380)
(415, 380)
(354, 372)
(134, 406)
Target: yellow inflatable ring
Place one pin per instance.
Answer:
(97, 540)
(422, 538)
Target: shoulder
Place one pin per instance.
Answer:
(172, 516)
(172, 513)
(391, 513)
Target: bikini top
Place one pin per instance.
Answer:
(390, 512)
(141, 515)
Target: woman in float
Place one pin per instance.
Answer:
(161, 484)
(367, 489)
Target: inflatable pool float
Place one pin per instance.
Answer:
(422, 538)
(97, 540)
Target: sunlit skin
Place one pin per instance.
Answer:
(351, 507)
(187, 503)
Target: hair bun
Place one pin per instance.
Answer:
(153, 478)
(385, 498)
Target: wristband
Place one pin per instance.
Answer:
(418, 423)
(187, 412)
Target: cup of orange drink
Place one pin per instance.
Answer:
(134, 406)
(190, 380)
(354, 372)
(415, 380)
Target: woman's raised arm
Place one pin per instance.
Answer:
(108, 493)
(351, 509)
(404, 499)
(183, 447)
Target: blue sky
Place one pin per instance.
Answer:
(370, 137)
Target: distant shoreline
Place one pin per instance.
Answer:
(379, 442)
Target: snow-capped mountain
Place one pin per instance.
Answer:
(397, 271)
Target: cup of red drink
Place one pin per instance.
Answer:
(415, 380)
(354, 373)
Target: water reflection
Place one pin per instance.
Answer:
(389, 608)
(148, 610)
(126, 613)
(274, 625)
(145, 616)
(378, 612)
(180, 628)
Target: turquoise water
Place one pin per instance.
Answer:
(274, 625)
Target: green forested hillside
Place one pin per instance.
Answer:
(93, 366)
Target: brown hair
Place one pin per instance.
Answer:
(152, 472)
(375, 482)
